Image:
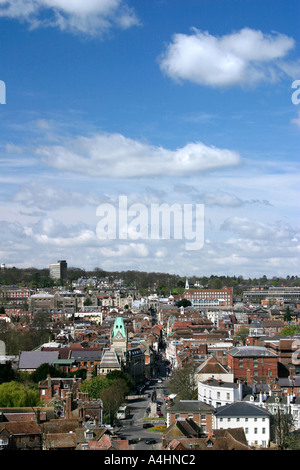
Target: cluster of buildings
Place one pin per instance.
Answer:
(245, 371)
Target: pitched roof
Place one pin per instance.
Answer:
(250, 351)
(240, 408)
(212, 366)
(34, 359)
(189, 406)
(60, 440)
(110, 359)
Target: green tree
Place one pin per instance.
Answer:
(242, 334)
(15, 395)
(290, 330)
(6, 373)
(95, 386)
(287, 316)
(43, 370)
(184, 303)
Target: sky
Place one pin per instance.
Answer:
(113, 108)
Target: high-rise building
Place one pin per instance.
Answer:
(58, 270)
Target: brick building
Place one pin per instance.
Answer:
(201, 413)
(252, 363)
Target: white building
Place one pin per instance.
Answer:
(217, 393)
(255, 421)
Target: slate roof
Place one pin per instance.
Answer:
(34, 359)
(251, 351)
(86, 354)
(241, 409)
(189, 406)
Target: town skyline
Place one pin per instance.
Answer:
(169, 104)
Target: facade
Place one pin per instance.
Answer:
(285, 294)
(58, 388)
(252, 363)
(255, 421)
(209, 297)
(58, 270)
(217, 393)
(196, 410)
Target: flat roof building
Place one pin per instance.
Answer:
(58, 270)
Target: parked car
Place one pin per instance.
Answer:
(150, 441)
(147, 425)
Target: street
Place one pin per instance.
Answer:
(132, 427)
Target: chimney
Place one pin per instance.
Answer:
(68, 405)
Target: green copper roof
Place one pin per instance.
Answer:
(119, 327)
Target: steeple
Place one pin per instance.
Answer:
(186, 284)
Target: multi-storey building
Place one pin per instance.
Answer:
(58, 270)
(209, 297)
(286, 294)
(252, 363)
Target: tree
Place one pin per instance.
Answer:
(283, 423)
(287, 316)
(182, 381)
(242, 334)
(290, 330)
(16, 395)
(112, 397)
(6, 373)
(184, 303)
(43, 370)
(95, 386)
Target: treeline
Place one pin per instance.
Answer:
(145, 282)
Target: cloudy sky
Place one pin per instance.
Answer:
(182, 103)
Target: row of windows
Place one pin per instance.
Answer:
(238, 419)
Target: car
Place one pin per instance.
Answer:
(133, 441)
(151, 440)
(147, 425)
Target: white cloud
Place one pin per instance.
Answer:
(243, 58)
(115, 156)
(224, 199)
(46, 197)
(259, 230)
(91, 17)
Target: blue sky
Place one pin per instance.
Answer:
(161, 101)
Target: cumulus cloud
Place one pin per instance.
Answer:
(92, 17)
(255, 230)
(116, 156)
(241, 58)
(46, 197)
